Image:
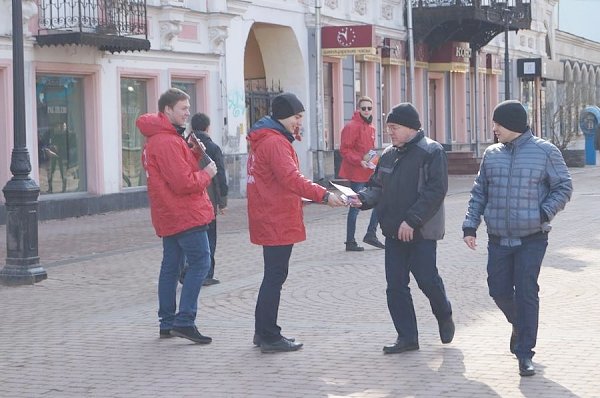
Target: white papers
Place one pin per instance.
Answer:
(344, 190)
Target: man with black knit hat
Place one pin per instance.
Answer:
(522, 184)
(408, 190)
(356, 147)
(275, 190)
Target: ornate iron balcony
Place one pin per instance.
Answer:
(110, 25)
(473, 21)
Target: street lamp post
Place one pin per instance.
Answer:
(21, 192)
(508, 11)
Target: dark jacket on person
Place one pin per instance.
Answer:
(218, 188)
(410, 184)
(521, 184)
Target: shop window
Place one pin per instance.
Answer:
(134, 102)
(189, 88)
(61, 134)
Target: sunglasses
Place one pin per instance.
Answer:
(366, 108)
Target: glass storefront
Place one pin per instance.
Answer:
(134, 102)
(61, 134)
(190, 89)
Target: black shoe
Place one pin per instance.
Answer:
(526, 367)
(352, 246)
(281, 345)
(371, 239)
(400, 346)
(256, 339)
(210, 281)
(513, 340)
(190, 333)
(165, 334)
(446, 328)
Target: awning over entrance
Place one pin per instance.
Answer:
(340, 41)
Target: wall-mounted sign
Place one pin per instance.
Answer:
(348, 40)
(452, 56)
(530, 68)
(393, 52)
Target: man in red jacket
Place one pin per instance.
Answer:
(275, 191)
(180, 210)
(358, 139)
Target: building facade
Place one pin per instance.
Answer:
(84, 92)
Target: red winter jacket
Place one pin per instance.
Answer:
(176, 185)
(358, 138)
(276, 187)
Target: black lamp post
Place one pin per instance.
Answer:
(21, 192)
(508, 11)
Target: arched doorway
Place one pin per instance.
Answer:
(272, 64)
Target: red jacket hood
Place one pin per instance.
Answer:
(151, 124)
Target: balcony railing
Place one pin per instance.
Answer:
(112, 25)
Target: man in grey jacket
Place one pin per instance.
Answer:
(522, 183)
(408, 190)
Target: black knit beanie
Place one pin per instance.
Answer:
(285, 105)
(405, 114)
(512, 115)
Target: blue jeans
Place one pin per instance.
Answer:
(277, 262)
(512, 281)
(419, 258)
(353, 214)
(194, 246)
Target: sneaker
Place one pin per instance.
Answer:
(191, 333)
(371, 239)
(210, 281)
(352, 246)
(165, 334)
(446, 328)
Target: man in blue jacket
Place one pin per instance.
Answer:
(522, 183)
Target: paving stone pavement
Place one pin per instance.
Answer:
(91, 330)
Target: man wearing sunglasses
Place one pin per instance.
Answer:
(358, 139)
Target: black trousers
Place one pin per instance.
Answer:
(276, 264)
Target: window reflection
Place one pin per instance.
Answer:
(133, 104)
(61, 134)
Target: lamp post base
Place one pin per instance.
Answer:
(22, 260)
(17, 275)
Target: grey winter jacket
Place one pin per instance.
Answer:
(520, 185)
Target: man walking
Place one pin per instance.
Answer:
(275, 191)
(522, 183)
(217, 190)
(357, 143)
(408, 191)
(180, 211)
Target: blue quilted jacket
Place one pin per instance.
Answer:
(520, 185)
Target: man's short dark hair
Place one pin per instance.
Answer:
(200, 122)
(171, 97)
